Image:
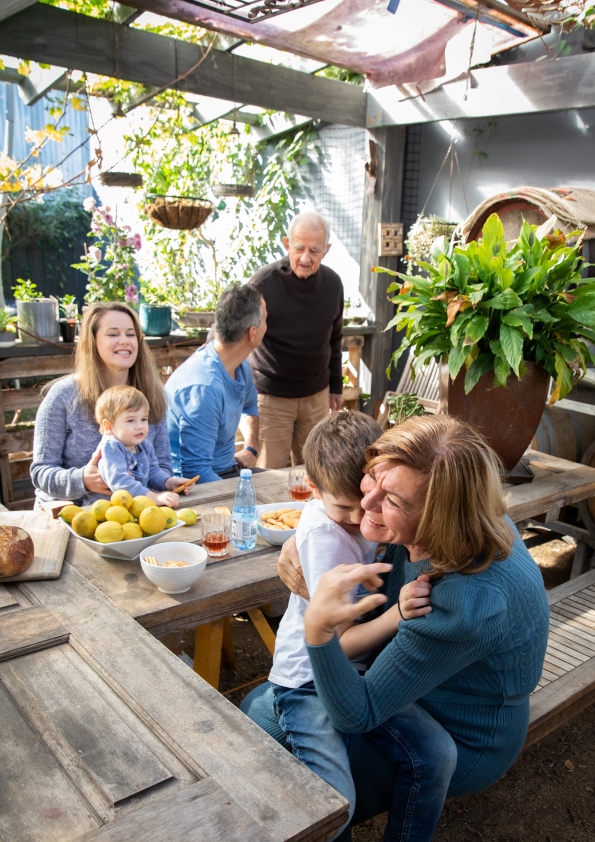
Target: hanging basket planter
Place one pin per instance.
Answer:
(245, 191)
(179, 214)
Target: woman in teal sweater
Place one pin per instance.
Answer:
(465, 670)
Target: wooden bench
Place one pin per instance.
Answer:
(567, 684)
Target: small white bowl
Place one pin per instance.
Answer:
(174, 579)
(276, 536)
(123, 550)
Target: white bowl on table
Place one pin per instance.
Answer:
(174, 579)
(276, 536)
(124, 550)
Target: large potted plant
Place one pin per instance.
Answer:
(155, 311)
(37, 316)
(503, 318)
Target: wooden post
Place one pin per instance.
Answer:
(384, 205)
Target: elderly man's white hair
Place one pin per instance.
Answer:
(309, 219)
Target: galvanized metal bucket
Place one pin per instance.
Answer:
(39, 317)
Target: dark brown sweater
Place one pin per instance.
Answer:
(301, 350)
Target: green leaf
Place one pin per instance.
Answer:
(543, 316)
(493, 235)
(501, 371)
(517, 318)
(476, 328)
(523, 280)
(504, 301)
(583, 309)
(456, 358)
(512, 345)
(564, 376)
(483, 364)
(571, 355)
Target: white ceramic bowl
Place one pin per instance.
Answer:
(276, 536)
(174, 579)
(124, 550)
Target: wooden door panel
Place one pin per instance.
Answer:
(201, 811)
(28, 631)
(37, 799)
(63, 686)
(6, 598)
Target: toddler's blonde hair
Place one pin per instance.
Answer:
(116, 400)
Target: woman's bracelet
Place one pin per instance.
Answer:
(400, 612)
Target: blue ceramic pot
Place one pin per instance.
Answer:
(155, 320)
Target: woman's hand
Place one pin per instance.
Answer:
(330, 606)
(290, 569)
(92, 479)
(414, 598)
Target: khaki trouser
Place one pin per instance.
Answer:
(284, 426)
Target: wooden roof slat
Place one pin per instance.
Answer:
(54, 36)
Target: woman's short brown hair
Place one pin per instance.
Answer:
(462, 526)
(116, 400)
(90, 371)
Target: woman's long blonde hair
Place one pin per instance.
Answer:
(90, 371)
(462, 526)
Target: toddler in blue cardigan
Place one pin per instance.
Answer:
(128, 459)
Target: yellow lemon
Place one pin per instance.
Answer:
(170, 516)
(118, 514)
(109, 532)
(188, 516)
(99, 508)
(68, 512)
(121, 498)
(84, 524)
(131, 531)
(140, 503)
(152, 520)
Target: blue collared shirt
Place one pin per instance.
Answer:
(205, 407)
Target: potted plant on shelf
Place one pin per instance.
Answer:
(8, 330)
(500, 316)
(155, 311)
(37, 316)
(200, 312)
(69, 311)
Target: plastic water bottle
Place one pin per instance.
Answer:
(243, 517)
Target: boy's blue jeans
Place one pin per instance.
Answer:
(412, 742)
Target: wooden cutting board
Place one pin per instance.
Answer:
(50, 539)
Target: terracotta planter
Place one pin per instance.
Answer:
(508, 418)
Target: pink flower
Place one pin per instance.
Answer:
(108, 219)
(89, 203)
(95, 254)
(137, 241)
(130, 294)
(126, 228)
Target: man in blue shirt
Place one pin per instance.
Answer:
(212, 393)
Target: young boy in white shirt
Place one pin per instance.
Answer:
(329, 534)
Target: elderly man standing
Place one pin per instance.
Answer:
(297, 369)
(212, 393)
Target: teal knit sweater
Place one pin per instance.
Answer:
(471, 663)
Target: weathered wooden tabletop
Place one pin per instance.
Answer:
(107, 735)
(247, 580)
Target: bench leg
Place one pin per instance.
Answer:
(208, 640)
(263, 628)
(582, 560)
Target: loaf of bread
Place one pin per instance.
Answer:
(16, 551)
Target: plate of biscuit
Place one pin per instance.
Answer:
(278, 521)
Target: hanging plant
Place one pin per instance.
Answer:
(177, 213)
(422, 234)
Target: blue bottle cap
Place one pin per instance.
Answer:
(245, 472)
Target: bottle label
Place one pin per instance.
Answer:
(243, 530)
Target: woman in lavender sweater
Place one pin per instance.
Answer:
(111, 352)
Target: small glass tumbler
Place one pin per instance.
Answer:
(299, 490)
(216, 534)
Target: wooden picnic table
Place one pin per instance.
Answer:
(244, 581)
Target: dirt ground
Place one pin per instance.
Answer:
(547, 796)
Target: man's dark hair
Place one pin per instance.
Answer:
(239, 308)
(335, 452)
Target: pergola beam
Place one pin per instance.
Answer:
(54, 36)
(524, 88)
(11, 7)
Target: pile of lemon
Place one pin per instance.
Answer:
(123, 518)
